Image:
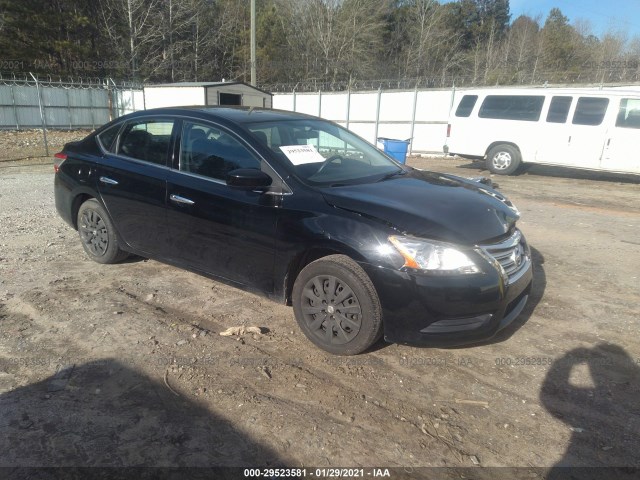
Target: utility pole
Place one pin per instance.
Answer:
(253, 42)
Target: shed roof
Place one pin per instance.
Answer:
(206, 84)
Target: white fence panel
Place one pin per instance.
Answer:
(433, 106)
(363, 107)
(284, 102)
(334, 106)
(308, 103)
(400, 115)
(396, 107)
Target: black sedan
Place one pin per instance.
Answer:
(305, 212)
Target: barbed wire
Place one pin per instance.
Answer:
(598, 77)
(27, 79)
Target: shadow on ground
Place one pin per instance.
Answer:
(105, 414)
(603, 413)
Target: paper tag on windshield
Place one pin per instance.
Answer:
(301, 154)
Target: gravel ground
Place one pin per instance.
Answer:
(133, 351)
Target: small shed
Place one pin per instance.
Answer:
(205, 93)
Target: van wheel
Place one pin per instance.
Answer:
(97, 234)
(504, 159)
(337, 306)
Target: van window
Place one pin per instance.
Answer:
(512, 107)
(629, 114)
(559, 109)
(466, 105)
(590, 111)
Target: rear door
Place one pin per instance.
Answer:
(132, 181)
(217, 229)
(623, 139)
(587, 133)
(555, 132)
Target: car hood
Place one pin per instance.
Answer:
(432, 205)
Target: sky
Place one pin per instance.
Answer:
(602, 14)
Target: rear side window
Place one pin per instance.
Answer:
(146, 140)
(559, 109)
(629, 114)
(590, 111)
(465, 107)
(108, 137)
(512, 107)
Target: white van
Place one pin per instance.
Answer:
(589, 129)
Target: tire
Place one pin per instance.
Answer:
(97, 234)
(504, 159)
(352, 311)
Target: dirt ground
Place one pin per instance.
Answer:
(124, 365)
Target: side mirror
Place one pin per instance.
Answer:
(248, 179)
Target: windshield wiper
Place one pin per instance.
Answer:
(388, 176)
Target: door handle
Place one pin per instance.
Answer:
(608, 142)
(179, 199)
(108, 181)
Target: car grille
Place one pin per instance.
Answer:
(512, 254)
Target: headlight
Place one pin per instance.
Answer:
(433, 256)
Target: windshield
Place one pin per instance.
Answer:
(322, 153)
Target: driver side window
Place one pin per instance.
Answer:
(211, 152)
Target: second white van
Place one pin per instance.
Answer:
(588, 129)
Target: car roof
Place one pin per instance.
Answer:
(237, 115)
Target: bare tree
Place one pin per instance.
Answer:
(139, 33)
(336, 37)
(426, 37)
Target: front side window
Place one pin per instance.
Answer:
(590, 111)
(466, 105)
(629, 113)
(212, 152)
(146, 140)
(323, 153)
(559, 109)
(512, 107)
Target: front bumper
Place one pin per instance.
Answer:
(439, 311)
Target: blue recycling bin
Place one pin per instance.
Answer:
(396, 149)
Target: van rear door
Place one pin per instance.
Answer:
(554, 134)
(587, 133)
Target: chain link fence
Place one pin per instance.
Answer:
(39, 114)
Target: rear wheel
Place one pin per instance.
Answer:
(504, 159)
(97, 234)
(336, 305)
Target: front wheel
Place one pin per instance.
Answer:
(504, 159)
(336, 305)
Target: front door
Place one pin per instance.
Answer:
(215, 228)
